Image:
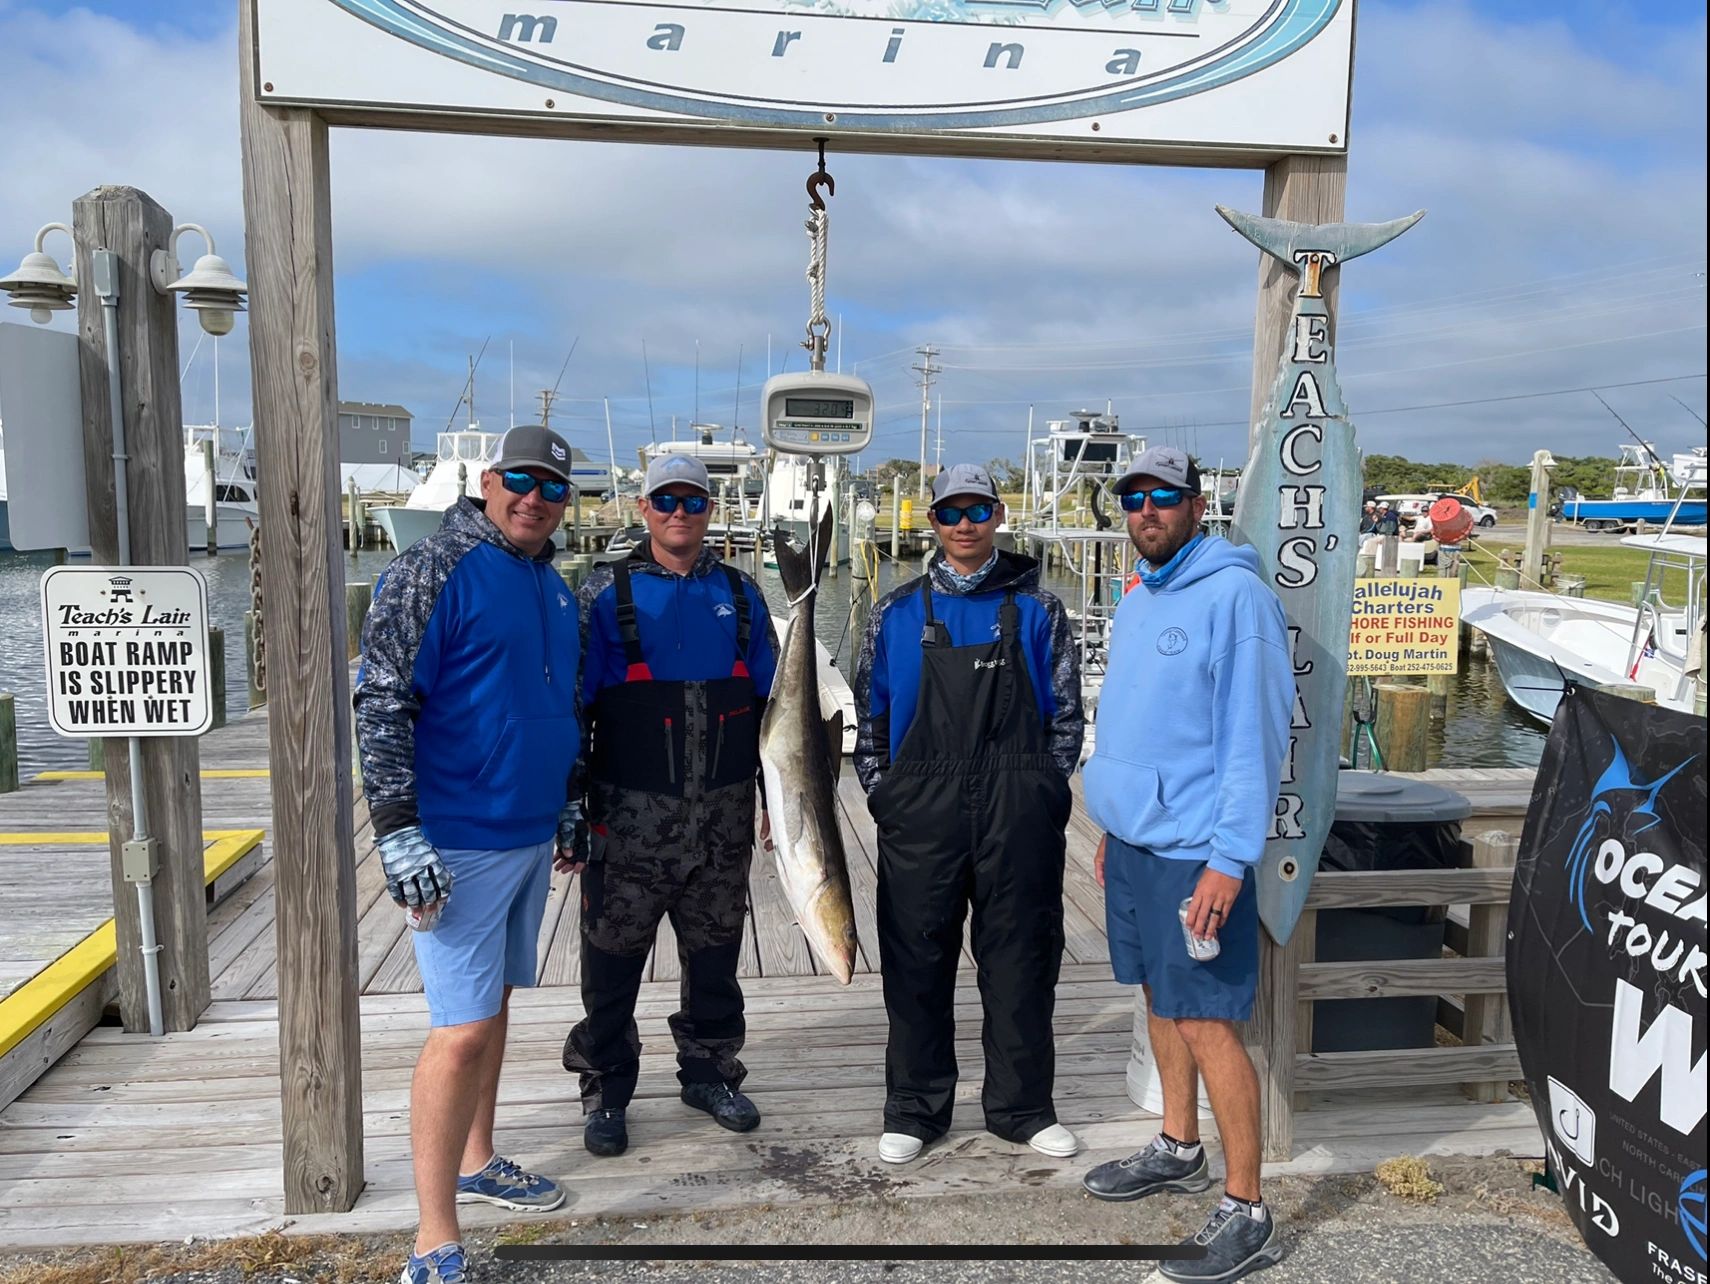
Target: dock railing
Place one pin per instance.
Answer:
(1290, 982)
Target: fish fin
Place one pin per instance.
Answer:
(834, 743)
(794, 568)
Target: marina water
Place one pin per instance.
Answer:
(1482, 729)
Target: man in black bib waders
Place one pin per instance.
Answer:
(968, 689)
(679, 659)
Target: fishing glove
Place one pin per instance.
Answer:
(573, 836)
(415, 875)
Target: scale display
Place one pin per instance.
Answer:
(815, 413)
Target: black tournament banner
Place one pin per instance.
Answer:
(1606, 966)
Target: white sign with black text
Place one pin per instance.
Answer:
(127, 650)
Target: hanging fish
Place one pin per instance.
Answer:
(1299, 509)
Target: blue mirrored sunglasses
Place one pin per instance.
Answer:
(551, 490)
(693, 505)
(1161, 496)
(952, 514)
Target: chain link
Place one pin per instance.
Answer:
(259, 643)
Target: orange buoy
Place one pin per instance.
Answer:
(1450, 521)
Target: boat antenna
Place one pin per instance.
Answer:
(648, 376)
(736, 410)
(697, 381)
(1677, 401)
(1643, 444)
(468, 392)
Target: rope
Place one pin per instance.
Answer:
(818, 227)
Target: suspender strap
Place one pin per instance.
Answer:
(936, 633)
(739, 596)
(627, 629)
(1009, 616)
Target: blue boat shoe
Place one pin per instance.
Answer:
(442, 1265)
(503, 1183)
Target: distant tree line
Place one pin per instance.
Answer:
(1504, 485)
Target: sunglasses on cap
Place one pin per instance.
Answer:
(693, 505)
(952, 514)
(552, 490)
(1161, 496)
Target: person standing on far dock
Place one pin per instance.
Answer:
(1193, 725)
(468, 716)
(968, 692)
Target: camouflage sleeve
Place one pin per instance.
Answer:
(395, 677)
(598, 581)
(872, 729)
(1068, 719)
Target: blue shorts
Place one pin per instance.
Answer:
(485, 939)
(1142, 893)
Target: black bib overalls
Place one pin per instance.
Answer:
(971, 811)
(672, 768)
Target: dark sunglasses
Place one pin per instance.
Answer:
(1162, 497)
(693, 505)
(952, 514)
(553, 492)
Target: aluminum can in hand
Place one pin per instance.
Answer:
(1200, 949)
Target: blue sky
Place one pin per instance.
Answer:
(1558, 147)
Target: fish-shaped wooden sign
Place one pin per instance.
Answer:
(1299, 508)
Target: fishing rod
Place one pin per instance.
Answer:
(1643, 444)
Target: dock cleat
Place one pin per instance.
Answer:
(503, 1183)
(442, 1265)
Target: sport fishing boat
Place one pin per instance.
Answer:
(1645, 491)
(461, 456)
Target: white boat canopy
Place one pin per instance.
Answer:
(1666, 542)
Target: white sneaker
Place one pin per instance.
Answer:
(899, 1147)
(1056, 1141)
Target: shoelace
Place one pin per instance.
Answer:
(514, 1173)
(1158, 1144)
(1214, 1225)
(448, 1264)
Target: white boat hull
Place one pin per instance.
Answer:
(404, 526)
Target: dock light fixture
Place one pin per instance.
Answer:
(38, 284)
(210, 288)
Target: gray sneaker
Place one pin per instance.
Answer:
(1147, 1172)
(1235, 1246)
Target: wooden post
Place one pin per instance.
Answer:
(97, 754)
(131, 226)
(1537, 521)
(217, 675)
(896, 516)
(1439, 685)
(1570, 585)
(358, 597)
(1636, 592)
(1507, 577)
(1275, 1034)
(210, 497)
(8, 744)
(1307, 189)
(1486, 1018)
(1403, 721)
(288, 227)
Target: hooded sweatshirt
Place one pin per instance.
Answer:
(1193, 718)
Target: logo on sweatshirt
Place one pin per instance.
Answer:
(1172, 642)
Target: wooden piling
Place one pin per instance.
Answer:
(132, 227)
(1508, 577)
(8, 744)
(211, 497)
(1403, 723)
(1439, 685)
(217, 675)
(1636, 592)
(1570, 585)
(896, 516)
(358, 597)
(97, 754)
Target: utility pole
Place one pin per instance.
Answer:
(547, 397)
(926, 370)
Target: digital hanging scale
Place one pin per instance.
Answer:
(815, 413)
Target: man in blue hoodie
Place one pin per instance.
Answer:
(1192, 730)
(468, 725)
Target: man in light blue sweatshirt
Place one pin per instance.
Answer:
(1193, 725)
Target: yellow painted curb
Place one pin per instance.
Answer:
(24, 1011)
(210, 773)
(98, 837)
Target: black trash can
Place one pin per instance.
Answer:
(1385, 822)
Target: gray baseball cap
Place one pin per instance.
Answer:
(666, 470)
(963, 479)
(1168, 464)
(531, 446)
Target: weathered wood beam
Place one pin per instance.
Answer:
(1387, 979)
(288, 222)
(1366, 889)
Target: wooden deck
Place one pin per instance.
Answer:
(129, 1138)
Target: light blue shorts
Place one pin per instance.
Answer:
(485, 939)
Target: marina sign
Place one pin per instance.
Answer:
(127, 650)
(1207, 81)
(1404, 628)
(1299, 509)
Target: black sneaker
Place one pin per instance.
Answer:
(730, 1108)
(1235, 1246)
(1148, 1172)
(605, 1133)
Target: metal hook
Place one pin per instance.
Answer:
(820, 179)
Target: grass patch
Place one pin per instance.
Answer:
(1609, 572)
(1408, 1177)
(312, 1259)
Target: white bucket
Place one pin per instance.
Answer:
(1145, 1087)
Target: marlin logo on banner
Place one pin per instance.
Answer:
(1299, 508)
(1606, 963)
